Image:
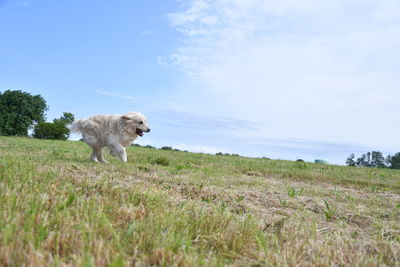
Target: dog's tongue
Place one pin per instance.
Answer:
(139, 132)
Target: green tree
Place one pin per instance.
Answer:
(350, 160)
(394, 161)
(66, 119)
(54, 130)
(19, 111)
(364, 160)
(377, 159)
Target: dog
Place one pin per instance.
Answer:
(113, 131)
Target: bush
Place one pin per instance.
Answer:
(54, 130)
(49, 130)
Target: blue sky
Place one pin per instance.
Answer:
(283, 79)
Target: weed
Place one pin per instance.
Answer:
(329, 210)
(283, 202)
(239, 198)
(293, 192)
(163, 161)
(374, 189)
(143, 168)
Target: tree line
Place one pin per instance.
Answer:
(374, 159)
(21, 112)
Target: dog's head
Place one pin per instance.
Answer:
(135, 121)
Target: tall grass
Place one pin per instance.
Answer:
(169, 208)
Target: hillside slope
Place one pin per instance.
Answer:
(176, 208)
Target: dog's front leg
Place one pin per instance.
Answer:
(120, 151)
(93, 157)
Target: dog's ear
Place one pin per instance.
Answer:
(125, 118)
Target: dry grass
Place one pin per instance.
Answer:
(168, 208)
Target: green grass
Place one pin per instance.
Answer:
(170, 208)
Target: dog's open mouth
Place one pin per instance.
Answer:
(139, 132)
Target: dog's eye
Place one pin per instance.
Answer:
(140, 122)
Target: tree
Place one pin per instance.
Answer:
(388, 161)
(377, 160)
(350, 160)
(394, 161)
(66, 119)
(19, 111)
(54, 130)
(364, 160)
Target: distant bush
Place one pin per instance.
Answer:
(226, 154)
(56, 130)
(49, 130)
(300, 160)
(166, 148)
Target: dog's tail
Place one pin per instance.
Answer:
(76, 126)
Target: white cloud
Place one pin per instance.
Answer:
(25, 3)
(316, 70)
(146, 33)
(117, 95)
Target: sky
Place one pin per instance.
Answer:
(284, 79)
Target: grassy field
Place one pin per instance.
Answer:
(169, 208)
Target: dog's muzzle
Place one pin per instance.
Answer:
(140, 132)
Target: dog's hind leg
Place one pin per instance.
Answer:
(100, 155)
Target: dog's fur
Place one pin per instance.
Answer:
(114, 131)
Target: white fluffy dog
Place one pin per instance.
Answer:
(114, 131)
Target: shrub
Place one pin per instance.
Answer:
(49, 130)
(54, 130)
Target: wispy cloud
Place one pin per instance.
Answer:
(146, 33)
(178, 119)
(25, 3)
(116, 95)
(313, 70)
(212, 134)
